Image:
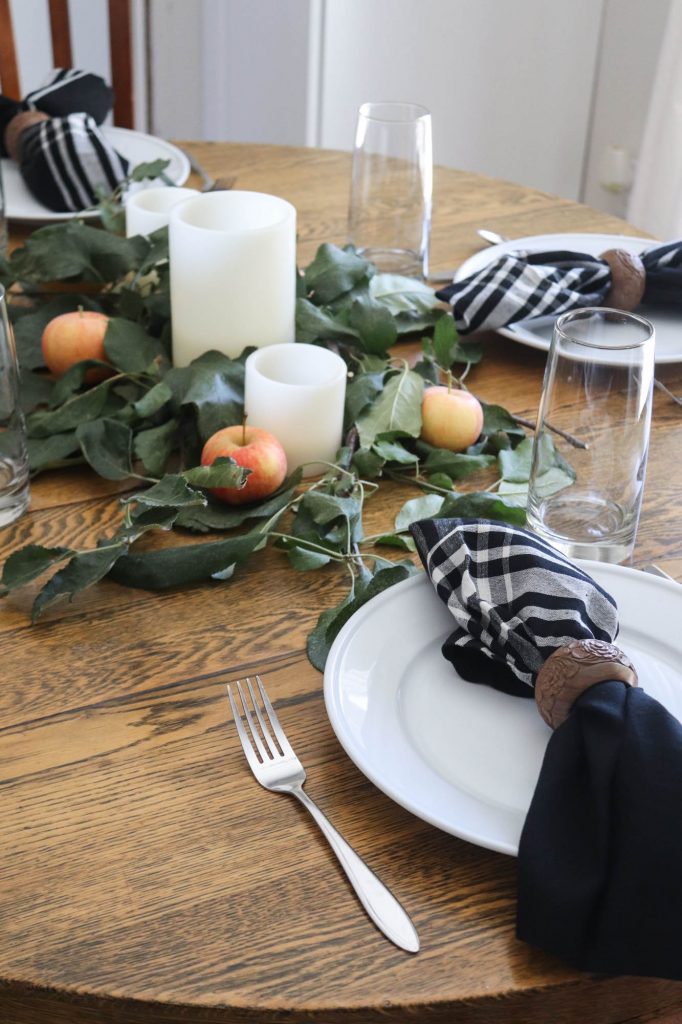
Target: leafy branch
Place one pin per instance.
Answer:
(147, 423)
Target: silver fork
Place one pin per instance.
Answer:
(276, 767)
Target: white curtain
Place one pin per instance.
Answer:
(656, 199)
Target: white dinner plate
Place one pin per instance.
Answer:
(137, 147)
(460, 755)
(538, 332)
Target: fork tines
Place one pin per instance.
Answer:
(250, 735)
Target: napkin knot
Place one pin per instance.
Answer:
(514, 599)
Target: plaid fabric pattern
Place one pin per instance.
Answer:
(66, 159)
(522, 285)
(514, 598)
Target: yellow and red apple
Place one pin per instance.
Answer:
(253, 449)
(72, 337)
(451, 418)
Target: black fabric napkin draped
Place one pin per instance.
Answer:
(64, 160)
(600, 856)
(522, 285)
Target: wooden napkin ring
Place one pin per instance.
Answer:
(17, 126)
(574, 668)
(628, 279)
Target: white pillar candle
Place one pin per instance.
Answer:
(297, 393)
(232, 273)
(149, 209)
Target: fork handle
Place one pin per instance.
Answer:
(381, 905)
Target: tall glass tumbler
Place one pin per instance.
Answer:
(389, 219)
(597, 389)
(14, 489)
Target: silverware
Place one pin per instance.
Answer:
(655, 570)
(666, 391)
(492, 237)
(276, 767)
(209, 184)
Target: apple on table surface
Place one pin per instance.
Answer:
(253, 449)
(451, 418)
(72, 337)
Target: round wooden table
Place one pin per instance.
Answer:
(145, 875)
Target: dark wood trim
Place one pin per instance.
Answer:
(9, 71)
(120, 41)
(61, 33)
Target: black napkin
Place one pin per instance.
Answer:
(65, 160)
(600, 857)
(521, 285)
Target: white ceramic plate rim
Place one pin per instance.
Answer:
(578, 242)
(422, 790)
(20, 205)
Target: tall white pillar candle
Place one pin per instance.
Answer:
(297, 393)
(232, 273)
(149, 209)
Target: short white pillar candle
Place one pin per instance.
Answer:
(149, 209)
(232, 273)
(297, 393)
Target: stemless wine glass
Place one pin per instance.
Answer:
(14, 489)
(597, 389)
(389, 219)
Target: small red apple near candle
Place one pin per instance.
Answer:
(253, 449)
(451, 418)
(72, 337)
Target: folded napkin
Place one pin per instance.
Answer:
(520, 285)
(600, 857)
(54, 135)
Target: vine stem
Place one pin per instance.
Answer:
(532, 425)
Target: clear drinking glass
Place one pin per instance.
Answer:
(389, 218)
(597, 388)
(14, 489)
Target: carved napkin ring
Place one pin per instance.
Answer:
(574, 668)
(628, 279)
(16, 128)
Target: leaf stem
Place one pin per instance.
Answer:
(532, 425)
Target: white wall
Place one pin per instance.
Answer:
(633, 32)
(509, 85)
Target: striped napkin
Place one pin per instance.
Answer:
(520, 285)
(64, 158)
(599, 879)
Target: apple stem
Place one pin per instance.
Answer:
(244, 430)
(81, 310)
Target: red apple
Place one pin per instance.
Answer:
(72, 337)
(451, 418)
(253, 449)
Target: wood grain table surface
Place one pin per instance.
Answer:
(145, 875)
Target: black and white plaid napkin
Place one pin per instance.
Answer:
(599, 878)
(66, 159)
(522, 285)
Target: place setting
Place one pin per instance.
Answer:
(494, 663)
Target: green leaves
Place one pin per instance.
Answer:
(397, 410)
(331, 621)
(334, 272)
(72, 249)
(554, 473)
(149, 417)
(131, 350)
(107, 446)
(28, 563)
(213, 386)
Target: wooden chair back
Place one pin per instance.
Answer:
(120, 43)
